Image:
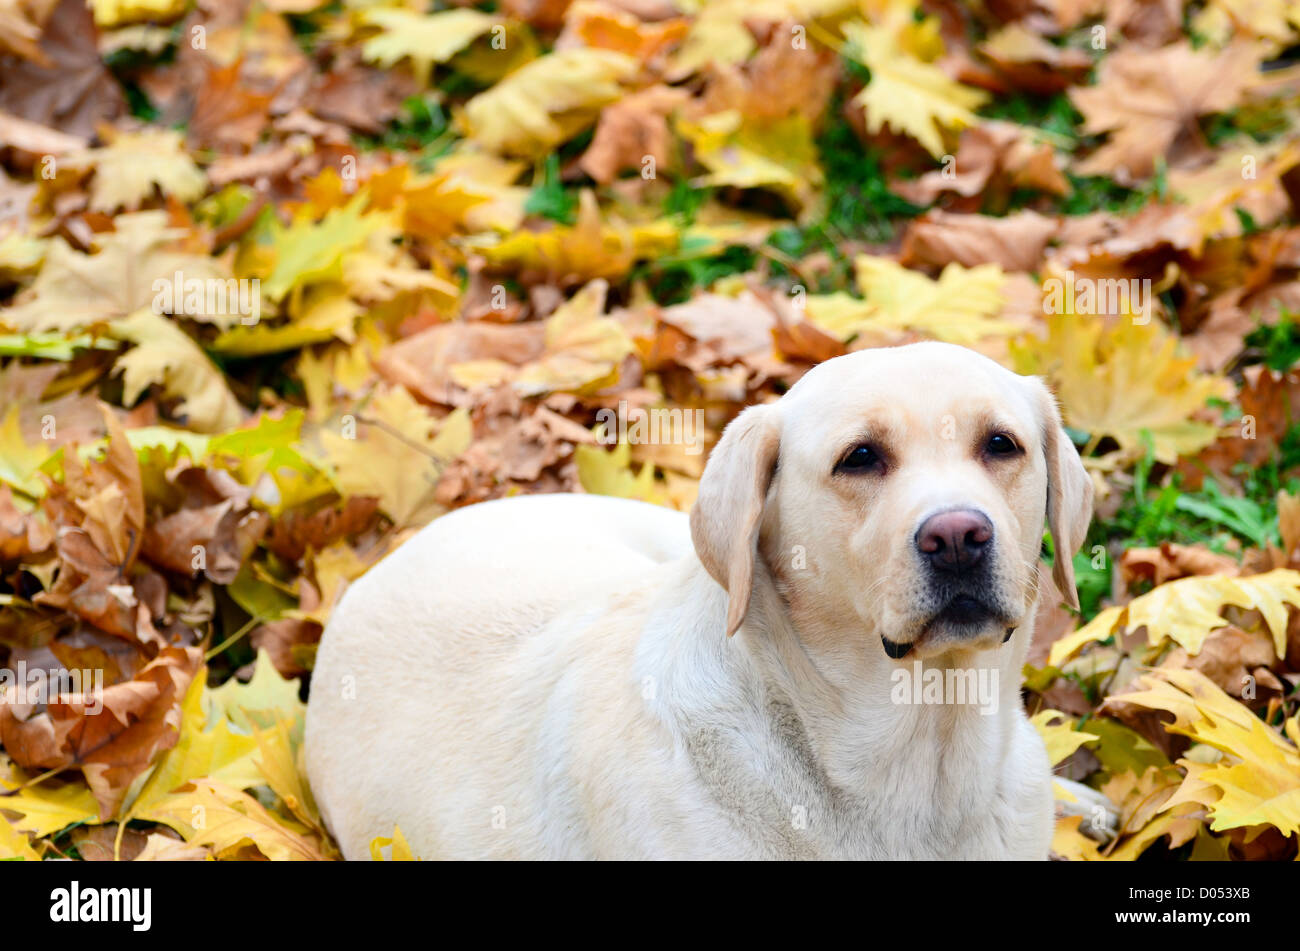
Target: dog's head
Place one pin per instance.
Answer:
(899, 493)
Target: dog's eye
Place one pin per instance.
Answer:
(860, 459)
(1000, 444)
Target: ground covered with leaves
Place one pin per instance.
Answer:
(283, 281)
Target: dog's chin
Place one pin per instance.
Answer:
(964, 623)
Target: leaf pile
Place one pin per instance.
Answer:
(281, 282)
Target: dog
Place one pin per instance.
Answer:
(582, 677)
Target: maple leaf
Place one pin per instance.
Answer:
(44, 808)
(119, 12)
(199, 752)
(604, 472)
(15, 845)
(1061, 739)
(18, 460)
(1119, 378)
(1146, 98)
(1257, 782)
(67, 86)
(960, 307)
(592, 248)
(132, 164)
(138, 719)
(424, 39)
(583, 348)
(543, 103)
(911, 96)
(166, 355)
(394, 454)
(309, 251)
(1245, 177)
(604, 27)
(262, 702)
(777, 155)
(322, 313)
(1187, 610)
(227, 820)
(278, 764)
(76, 290)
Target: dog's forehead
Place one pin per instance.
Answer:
(916, 385)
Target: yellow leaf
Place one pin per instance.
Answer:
(911, 96)
(19, 461)
(278, 764)
(326, 313)
(166, 355)
(110, 13)
(590, 249)
(610, 473)
(308, 251)
(1098, 629)
(1116, 377)
(15, 845)
(1258, 778)
(124, 275)
(1069, 843)
(1061, 739)
(128, 168)
(394, 456)
(544, 102)
(266, 699)
(400, 852)
(743, 153)
(47, 807)
(227, 820)
(1189, 609)
(214, 753)
(583, 347)
(960, 307)
(424, 39)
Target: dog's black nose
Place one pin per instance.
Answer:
(954, 541)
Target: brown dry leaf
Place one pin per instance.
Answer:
(1171, 561)
(602, 25)
(1029, 62)
(96, 843)
(1149, 100)
(212, 535)
(228, 116)
(423, 362)
(998, 155)
(632, 130)
(139, 719)
(1270, 404)
(1014, 243)
(72, 91)
(1233, 659)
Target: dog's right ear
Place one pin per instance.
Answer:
(1069, 497)
(729, 507)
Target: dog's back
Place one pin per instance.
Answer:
(443, 631)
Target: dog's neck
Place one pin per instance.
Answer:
(858, 714)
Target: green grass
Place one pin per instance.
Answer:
(549, 198)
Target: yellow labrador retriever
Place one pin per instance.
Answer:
(551, 677)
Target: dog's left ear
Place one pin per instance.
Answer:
(1069, 497)
(729, 507)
